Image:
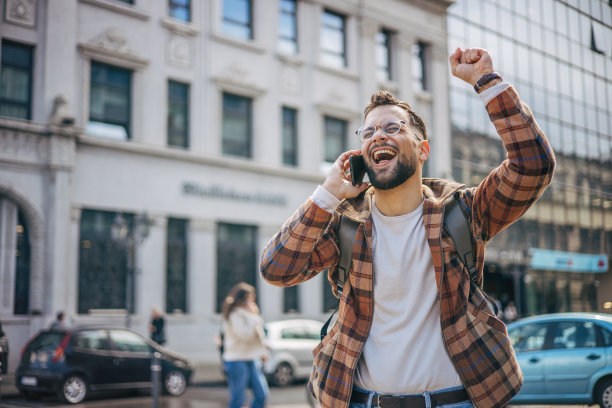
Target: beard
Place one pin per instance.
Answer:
(404, 169)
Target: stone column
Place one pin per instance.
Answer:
(8, 247)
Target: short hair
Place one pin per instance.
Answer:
(381, 98)
(60, 315)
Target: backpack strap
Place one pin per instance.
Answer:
(457, 227)
(347, 229)
(346, 232)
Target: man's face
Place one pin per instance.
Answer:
(390, 160)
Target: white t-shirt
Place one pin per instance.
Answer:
(404, 352)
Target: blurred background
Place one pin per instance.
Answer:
(150, 148)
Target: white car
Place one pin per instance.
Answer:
(291, 344)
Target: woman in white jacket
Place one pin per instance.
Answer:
(244, 346)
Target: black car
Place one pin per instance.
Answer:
(72, 362)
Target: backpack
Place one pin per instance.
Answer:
(456, 225)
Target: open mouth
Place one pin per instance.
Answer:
(383, 155)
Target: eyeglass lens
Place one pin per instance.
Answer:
(389, 129)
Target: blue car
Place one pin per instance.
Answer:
(566, 358)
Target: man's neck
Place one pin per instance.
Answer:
(402, 199)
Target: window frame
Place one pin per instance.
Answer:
(342, 30)
(249, 125)
(249, 25)
(186, 105)
(345, 141)
(184, 244)
(423, 59)
(388, 46)
(293, 14)
(128, 125)
(30, 71)
(174, 5)
(294, 153)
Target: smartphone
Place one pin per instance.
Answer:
(358, 169)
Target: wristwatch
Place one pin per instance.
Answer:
(485, 79)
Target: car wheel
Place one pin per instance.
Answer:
(283, 375)
(604, 394)
(73, 389)
(175, 383)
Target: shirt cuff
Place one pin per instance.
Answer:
(325, 199)
(488, 94)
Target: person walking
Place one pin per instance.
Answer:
(4, 351)
(157, 329)
(413, 328)
(59, 322)
(244, 346)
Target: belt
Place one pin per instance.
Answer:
(410, 401)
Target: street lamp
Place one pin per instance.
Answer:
(130, 237)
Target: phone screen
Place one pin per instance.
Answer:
(358, 170)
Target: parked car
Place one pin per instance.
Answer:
(566, 358)
(74, 361)
(291, 345)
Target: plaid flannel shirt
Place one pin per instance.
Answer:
(476, 341)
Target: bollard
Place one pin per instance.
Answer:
(155, 377)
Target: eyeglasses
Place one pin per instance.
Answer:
(389, 129)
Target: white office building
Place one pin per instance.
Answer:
(149, 149)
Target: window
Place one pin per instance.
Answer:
(420, 66)
(238, 19)
(383, 55)
(16, 81)
(178, 114)
(528, 337)
(103, 263)
(289, 136)
(291, 301)
(127, 1)
(236, 127)
(335, 138)
(21, 304)
(287, 27)
(109, 102)
(176, 266)
(333, 41)
(123, 340)
(92, 340)
(180, 9)
(570, 335)
(237, 258)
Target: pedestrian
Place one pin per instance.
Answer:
(4, 351)
(244, 346)
(412, 329)
(60, 321)
(510, 312)
(157, 329)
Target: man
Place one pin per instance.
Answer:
(412, 330)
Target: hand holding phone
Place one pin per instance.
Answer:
(357, 168)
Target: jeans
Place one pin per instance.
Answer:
(243, 374)
(464, 404)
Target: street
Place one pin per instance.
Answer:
(196, 396)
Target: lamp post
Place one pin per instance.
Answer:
(130, 236)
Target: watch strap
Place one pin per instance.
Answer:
(485, 79)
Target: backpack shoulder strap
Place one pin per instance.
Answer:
(347, 229)
(346, 232)
(457, 227)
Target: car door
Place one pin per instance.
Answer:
(576, 355)
(90, 351)
(133, 355)
(529, 343)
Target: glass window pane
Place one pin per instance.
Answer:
(178, 114)
(289, 136)
(335, 138)
(236, 126)
(332, 40)
(237, 258)
(287, 27)
(176, 265)
(16, 80)
(109, 102)
(180, 9)
(237, 19)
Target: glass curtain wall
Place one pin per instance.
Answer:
(558, 55)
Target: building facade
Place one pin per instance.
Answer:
(558, 54)
(149, 149)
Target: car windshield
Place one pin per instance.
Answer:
(46, 340)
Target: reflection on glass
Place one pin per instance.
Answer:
(332, 40)
(287, 27)
(237, 19)
(383, 55)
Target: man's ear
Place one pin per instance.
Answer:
(424, 150)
